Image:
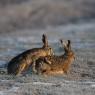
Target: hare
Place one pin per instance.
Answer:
(24, 60)
(54, 65)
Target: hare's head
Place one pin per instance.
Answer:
(47, 50)
(67, 48)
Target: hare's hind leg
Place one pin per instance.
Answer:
(39, 68)
(42, 67)
(53, 72)
(20, 69)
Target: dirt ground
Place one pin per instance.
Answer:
(80, 79)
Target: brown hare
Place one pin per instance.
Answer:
(24, 60)
(54, 65)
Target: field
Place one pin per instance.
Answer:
(21, 26)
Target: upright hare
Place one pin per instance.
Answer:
(22, 61)
(52, 65)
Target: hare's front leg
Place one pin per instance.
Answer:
(34, 67)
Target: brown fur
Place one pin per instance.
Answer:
(22, 62)
(52, 65)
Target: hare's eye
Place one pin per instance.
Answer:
(51, 49)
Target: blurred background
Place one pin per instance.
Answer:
(35, 14)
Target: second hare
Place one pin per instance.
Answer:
(23, 61)
(53, 65)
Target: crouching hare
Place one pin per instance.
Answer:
(54, 65)
(24, 60)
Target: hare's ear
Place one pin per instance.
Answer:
(69, 44)
(44, 40)
(63, 43)
(66, 45)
